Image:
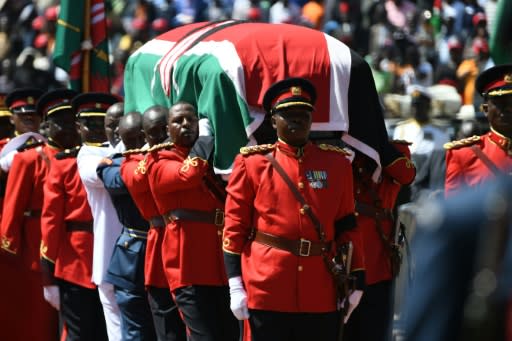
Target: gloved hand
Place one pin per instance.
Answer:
(52, 295)
(353, 300)
(6, 161)
(238, 297)
(203, 147)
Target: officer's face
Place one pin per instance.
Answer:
(62, 129)
(183, 125)
(111, 127)
(26, 122)
(155, 129)
(293, 125)
(499, 113)
(92, 129)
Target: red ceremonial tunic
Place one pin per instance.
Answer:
(399, 172)
(465, 169)
(21, 237)
(3, 142)
(21, 216)
(65, 202)
(191, 250)
(134, 173)
(275, 279)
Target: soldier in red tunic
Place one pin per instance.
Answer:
(168, 323)
(474, 160)
(375, 203)
(66, 235)
(21, 218)
(274, 251)
(191, 250)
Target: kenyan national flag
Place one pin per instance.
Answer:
(78, 19)
(225, 68)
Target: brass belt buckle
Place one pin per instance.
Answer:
(304, 244)
(219, 217)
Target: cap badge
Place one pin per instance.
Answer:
(98, 105)
(296, 90)
(30, 100)
(508, 78)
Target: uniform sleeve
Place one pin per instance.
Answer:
(18, 191)
(454, 174)
(131, 176)
(239, 208)
(87, 164)
(401, 169)
(52, 223)
(351, 233)
(178, 176)
(111, 177)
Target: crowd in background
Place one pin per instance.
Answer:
(408, 44)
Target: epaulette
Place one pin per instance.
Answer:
(260, 148)
(160, 146)
(67, 153)
(401, 142)
(468, 141)
(31, 142)
(330, 147)
(135, 151)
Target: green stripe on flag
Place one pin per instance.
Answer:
(500, 40)
(202, 82)
(69, 32)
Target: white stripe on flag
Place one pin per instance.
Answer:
(341, 62)
(167, 62)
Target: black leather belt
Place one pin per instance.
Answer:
(135, 233)
(209, 217)
(157, 221)
(374, 212)
(86, 226)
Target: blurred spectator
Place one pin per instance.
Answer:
(414, 71)
(401, 14)
(313, 12)
(282, 11)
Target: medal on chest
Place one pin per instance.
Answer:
(317, 179)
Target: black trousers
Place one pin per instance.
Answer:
(166, 318)
(82, 313)
(206, 313)
(136, 319)
(371, 320)
(279, 326)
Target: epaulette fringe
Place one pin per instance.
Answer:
(468, 141)
(260, 148)
(330, 147)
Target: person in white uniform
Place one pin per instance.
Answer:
(106, 226)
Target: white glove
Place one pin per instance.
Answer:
(353, 300)
(238, 297)
(52, 295)
(6, 161)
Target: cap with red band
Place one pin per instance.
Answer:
(495, 81)
(93, 104)
(290, 92)
(21, 101)
(55, 101)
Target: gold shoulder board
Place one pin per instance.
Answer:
(330, 147)
(468, 141)
(260, 148)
